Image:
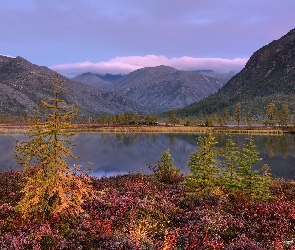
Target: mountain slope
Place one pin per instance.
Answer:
(269, 75)
(162, 88)
(223, 76)
(22, 86)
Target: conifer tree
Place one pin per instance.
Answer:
(252, 184)
(230, 170)
(238, 113)
(204, 170)
(51, 187)
(127, 117)
(154, 118)
(209, 121)
(226, 115)
(164, 170)
(136, 118)
(221, 120)
(271, 113)
(284, 115)
(173, 119)
(249, 117)
(147, 119)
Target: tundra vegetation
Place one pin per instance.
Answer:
(224, 202)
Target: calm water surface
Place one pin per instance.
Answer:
(113, 154)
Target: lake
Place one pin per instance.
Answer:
(113, 154)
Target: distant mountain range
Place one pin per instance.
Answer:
(152, 89)
(22, 86)
(269, 76)
(160, 88)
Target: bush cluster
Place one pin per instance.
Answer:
(229, 170)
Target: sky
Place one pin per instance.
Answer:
(119, 36)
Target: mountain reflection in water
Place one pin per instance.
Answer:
(113, 154)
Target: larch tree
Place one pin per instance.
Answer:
(284, 115)
(271, 113)
(136, 118)
(51, 186)
(172, 117)
(249, 117)
(238, 113)
(226, 115)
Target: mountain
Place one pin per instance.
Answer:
(163, 88)
(160, 88)
(268, 76)
(22, 86)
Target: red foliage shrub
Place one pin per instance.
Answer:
(134, 212)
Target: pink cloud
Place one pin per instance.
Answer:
(125, 65)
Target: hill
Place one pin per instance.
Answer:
(269, 76)
(22, 86)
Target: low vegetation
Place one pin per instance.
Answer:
(137, 212)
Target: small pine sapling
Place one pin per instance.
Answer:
(229, 177)
(204, 170)
(253, 183)
(165, 171)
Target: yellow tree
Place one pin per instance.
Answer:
(51, 186)
(284, 115)
(271, 113)
(238, 113)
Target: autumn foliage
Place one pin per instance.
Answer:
(51, 187)
(137, 212)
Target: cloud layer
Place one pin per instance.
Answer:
(7, 56)
(64, 32)
(124, 65)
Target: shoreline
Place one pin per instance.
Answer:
(153, 129)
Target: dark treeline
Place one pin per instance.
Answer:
(274, 115)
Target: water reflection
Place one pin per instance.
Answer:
(123, 153)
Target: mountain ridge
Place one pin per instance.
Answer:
(22, 86)
(269, 75)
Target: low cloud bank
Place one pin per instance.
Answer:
(7, 56)
(125, 65)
